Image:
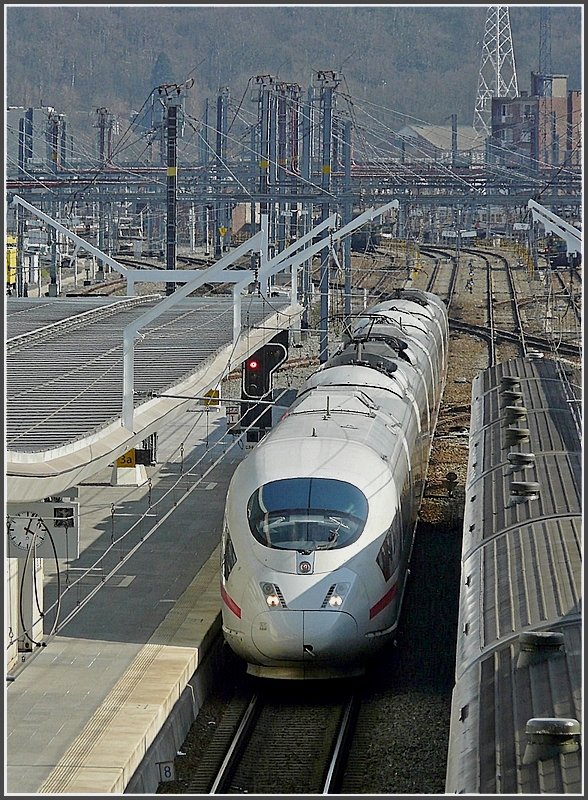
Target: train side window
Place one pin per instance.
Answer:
(229, 557)
(387, 558)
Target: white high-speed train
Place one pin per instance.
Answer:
(320, 516)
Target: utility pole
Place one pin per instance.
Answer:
(204, 147)
(287, 112)
(282, 162)
(265, 82)
(293, 142)
(347, 214)
(327, 81)
(253, 160)
(101, 125)
(272, 172)
(52, 141)
(105, 124)
(174, 97)
(222, 226)
(21, 147)
(305, 172)
(53, 288)
(21, 283)
(204, 160)
(458, 243)
(268, 155)
(172, 181)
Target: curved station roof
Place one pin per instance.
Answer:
(64, 376)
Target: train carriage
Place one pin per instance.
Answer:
(516, 709)
(320, 516)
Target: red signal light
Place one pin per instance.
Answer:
(253, 364)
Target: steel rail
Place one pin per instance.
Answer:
(236, 747)
(341, 747)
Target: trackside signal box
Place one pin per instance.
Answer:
(256, 383)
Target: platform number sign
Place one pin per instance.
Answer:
(128, 460)
(167, 771)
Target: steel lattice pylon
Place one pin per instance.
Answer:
(498, 76)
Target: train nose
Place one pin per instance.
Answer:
(288, 635)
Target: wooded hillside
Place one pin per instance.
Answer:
(419, 61)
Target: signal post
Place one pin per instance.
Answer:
(256, 387)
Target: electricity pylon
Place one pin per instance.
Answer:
(498, 77)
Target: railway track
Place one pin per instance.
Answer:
(309, 740)
(568, 291)
(107, 288)
(497, 307)
(536, 343)
(438, 282)
(481, 307)
(284, 739)
(491, 322)
(497, 274)
(494, 304)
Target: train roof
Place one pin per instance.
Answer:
(331, 453)
(516, 710)
(338, 376)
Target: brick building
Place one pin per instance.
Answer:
(539, 130)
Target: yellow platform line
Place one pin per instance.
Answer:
(105, 755)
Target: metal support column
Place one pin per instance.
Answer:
(347, 214)
(21, 283)
(454, 140)
(264, 143)
(222, 225)
(53, 288)
(172, 180)
(305, 161)
(327, 85)
(272, 170)
(282, 161)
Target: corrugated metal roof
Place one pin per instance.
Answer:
(64, 359)
(64, 377)
(521, 573)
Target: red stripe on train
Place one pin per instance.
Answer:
(383, 602)
(230, 602)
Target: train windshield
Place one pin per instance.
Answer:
(307, 514)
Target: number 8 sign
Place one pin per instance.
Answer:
(166, 771)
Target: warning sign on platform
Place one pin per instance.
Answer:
(212, 397)
(222, 230)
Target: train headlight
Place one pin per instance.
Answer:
(335, 596)
(273, 595)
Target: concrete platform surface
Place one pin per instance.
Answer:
(83, 712)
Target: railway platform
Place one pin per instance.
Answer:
(103, 707)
